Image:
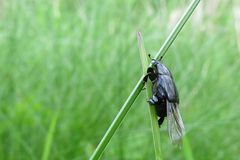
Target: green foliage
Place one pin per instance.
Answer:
(80, 58)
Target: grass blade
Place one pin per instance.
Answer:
(153, 116)
(117, 121)
(173, 35)
(187, 149)
(49, 138)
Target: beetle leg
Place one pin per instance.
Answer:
(153, 100)
(160, 121)
(145, 78)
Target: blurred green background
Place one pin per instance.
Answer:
(66, 67)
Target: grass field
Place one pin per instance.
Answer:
(66, 67)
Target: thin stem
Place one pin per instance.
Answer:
(50, 136)
(172, 36)
(137, 89)
(118, 119)
(153, 116)
(187, 149)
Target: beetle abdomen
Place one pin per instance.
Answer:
(161, 108)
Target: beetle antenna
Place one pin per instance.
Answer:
(149, 55)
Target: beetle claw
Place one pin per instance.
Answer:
(145, 78)
(151, 102)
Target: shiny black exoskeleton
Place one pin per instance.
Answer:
(164, 90)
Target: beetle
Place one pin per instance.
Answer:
(165, 99)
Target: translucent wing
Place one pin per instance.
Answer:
(175, 123)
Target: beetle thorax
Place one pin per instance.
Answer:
(162, 69)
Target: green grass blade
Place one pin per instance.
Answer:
(187, 149)
(117, 121)
(49, 138)
(173, 35)
(153, 116)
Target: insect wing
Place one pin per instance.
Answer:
(175, 123)
(169, 87)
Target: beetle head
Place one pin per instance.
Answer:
(151, 73)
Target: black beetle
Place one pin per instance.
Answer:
(165, 99)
